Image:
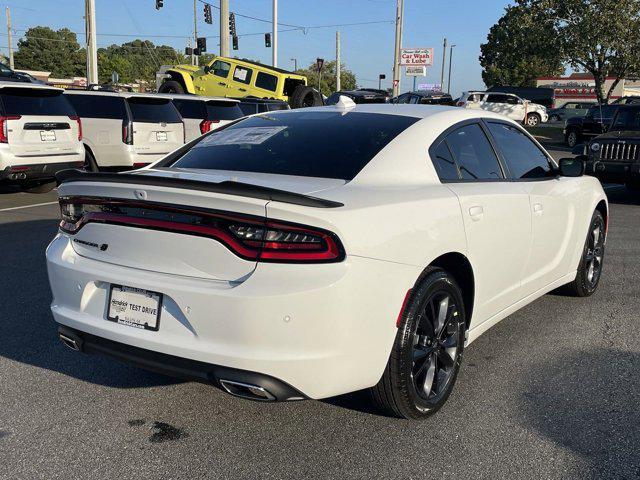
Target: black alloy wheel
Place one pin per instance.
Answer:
(590, 267)
(427, 351)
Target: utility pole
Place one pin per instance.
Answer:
(450, 61)
(9, 38)
(92, 49)
(337, 60)
(398, 46)
(224, 28)
(444, 58)
(274, 40)
(195, 58)
(295, 64)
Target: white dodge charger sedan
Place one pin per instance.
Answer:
(314, 252)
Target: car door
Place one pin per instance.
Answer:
(550, 202)
(217, 81)
(241, 81)
(496, 217)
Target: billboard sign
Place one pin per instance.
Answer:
(416, 57)
(430, 87)
(416, 71)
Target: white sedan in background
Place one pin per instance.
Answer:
(507, 104)
(314, 252)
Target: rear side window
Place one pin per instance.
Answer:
(444, 163)
(273, 107)
(98, 106)
(523, 157)
(296, 143)
(242, 75)
(223, 110)
(35, 101)
(473, 154)
(153, 110)
(266, 81)
(190, 108)
(248, 108)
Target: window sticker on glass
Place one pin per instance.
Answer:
(241, 136)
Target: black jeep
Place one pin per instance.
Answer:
(614, 156)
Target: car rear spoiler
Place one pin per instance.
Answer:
(227, 187)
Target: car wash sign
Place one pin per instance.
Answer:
(416, 57)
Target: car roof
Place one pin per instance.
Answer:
(360, 93)
(429, 94)
(28, 85)
(185, 96)
(257, 64)
(113, 94)
(453, 114)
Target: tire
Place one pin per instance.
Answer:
(424, 362)
(90, 164)
(572, 138)
(305, 96)
(533, 119)
(171, 86)
(590, 267)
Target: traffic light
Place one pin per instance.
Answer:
(201, 43)
(159, 4)
(235, 42)
(207, 14)
(267, 40)
(188, 50)
(232, 24)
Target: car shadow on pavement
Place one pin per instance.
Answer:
(28, 333)
(579, 400)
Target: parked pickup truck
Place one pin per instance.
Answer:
(595, 122)
(232, 77)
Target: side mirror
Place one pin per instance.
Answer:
(206, 69)
(571, 167)
(578, 149)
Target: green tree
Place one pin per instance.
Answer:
(599, 36)
(55, 51)
(520, 48)
(328, 80)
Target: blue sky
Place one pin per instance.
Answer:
(366, 49)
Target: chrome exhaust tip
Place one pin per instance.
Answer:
(248, 391)
(72, 343)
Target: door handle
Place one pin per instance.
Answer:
(538, 208)
(222, 83)
(242, 89)
(476, 212)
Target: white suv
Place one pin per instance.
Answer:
(203, 114)
(40, 134)
(507, 104)
(126, 130)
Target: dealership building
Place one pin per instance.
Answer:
(581, 87)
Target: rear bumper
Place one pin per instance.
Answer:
(323, 329)
(184, 368)
(616, 172)
(35, 172)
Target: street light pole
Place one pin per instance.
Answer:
(444, 62)
(295, 64)
(274, 40)
(450, 62)
(224, 28)
(194, 57)
(92, 49)
(9, 38)
(398, 46)
(337, 60)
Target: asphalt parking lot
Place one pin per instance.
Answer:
(551, 392)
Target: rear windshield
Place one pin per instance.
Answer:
(296, 144)
(153, 110)
(217, 110)
(248, 108)
(190, 108)
(98, 106)
(34, 101)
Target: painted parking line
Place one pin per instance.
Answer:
(28, 206)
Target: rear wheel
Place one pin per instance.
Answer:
(171, 86)
(305, 96)
(590, 268)
(427, 352)
(572, 138)
(90, 164)
(533, 119)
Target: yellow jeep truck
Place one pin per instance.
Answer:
(232, 77)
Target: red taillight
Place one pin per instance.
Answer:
(140, 164)
(4, 131)
(405, 303)
(251, 238)
(127, 133)
(205, 125)
(77, 119)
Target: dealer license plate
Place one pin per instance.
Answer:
(134, 307)
(47, 135)
(161, 136)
